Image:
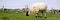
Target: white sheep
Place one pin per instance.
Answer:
(36, 7)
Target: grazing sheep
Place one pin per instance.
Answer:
(39, 7)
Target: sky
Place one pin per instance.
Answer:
(14, 4)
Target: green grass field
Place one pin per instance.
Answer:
(7, 15)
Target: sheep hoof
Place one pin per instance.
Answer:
(36, 16)
(45, 17)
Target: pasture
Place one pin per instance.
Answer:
(7, 15)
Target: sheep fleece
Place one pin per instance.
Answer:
(39, 6)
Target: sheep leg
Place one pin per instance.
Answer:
(44, 14)
(36, 14)
(40, 13)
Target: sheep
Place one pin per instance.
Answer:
(39, 7)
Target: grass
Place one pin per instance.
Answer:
(7, 15)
